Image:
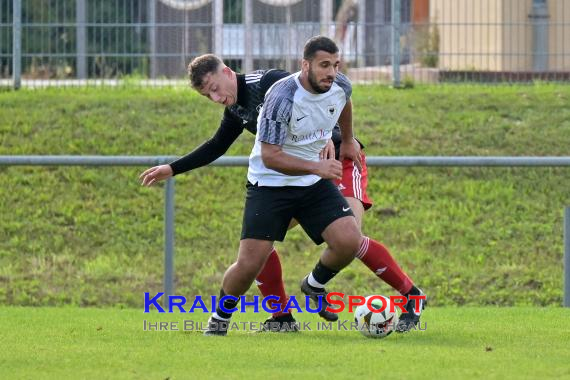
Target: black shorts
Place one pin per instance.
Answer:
(269, 210)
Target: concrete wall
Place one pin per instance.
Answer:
(559, 36)
(497, 35)
(516, 34)
(470, 33)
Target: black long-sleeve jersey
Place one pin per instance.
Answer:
(242, 115)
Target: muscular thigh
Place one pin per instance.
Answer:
(321, 206)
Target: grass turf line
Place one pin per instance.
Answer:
(468, 342)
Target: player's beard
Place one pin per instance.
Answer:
(315, 84)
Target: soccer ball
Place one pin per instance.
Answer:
(376, 325)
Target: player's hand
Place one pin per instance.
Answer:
(349, 151)
(328, 151)
(357, 146)
(329, 169)
(155, 174)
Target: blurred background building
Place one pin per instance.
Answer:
(420, 40)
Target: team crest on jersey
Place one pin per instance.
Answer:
(331, 108)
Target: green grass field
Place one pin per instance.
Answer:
(485, 244)
(456, 343)
(469, 236)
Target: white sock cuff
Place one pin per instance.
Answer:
(215, 315)
(314, 283)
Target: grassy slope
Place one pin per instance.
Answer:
(465, 343)
(93, 236)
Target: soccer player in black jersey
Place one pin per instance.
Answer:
(242, 96)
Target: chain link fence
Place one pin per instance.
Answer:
(69, 42)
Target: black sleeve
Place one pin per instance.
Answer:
(230, 128)
(270, 77)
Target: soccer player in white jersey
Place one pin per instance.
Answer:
(243, 96)
(287, 180)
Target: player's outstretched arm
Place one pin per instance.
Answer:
(230, 129)
(155, 174)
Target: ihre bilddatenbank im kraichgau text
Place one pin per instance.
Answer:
(179, 304)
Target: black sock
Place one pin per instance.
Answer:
(322, 274)
(228, 304)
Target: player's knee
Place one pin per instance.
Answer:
(353, 243)
(351, 240)
(348, 245)
(248, 268)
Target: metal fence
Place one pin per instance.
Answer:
(65, 42)
(243, 161)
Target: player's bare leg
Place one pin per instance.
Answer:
(238, 278)
(357, 209)
(343, 239)
(240, 275)
(270, 283)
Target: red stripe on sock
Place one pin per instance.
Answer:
(379, 260)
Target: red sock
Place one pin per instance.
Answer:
(270, 282)
(377, 257)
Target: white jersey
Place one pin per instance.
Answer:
(300, 122)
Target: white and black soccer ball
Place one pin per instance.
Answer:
(379, 324)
